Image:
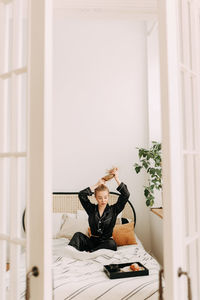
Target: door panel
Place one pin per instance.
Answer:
(25, 139)
(12, 157)
(39, 148)
(180, 80)
(190, 124)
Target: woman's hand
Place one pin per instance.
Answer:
(115, 172)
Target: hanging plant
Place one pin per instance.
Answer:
(150, 160)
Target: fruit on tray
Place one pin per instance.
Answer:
(136, 267)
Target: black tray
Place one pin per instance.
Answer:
(113, 270)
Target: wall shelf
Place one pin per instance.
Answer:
(158, 212)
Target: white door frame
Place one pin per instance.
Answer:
(39, 200)
(171, 145)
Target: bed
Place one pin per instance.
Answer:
(79, 275)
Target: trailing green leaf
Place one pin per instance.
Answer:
(146, 192)
(137, 169)
(148, 202)
(151, 161)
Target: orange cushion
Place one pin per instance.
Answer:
(123, 234)
(89, 231)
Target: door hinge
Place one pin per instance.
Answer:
(34, 272)
(161, 272)
(181, 272)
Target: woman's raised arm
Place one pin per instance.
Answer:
(122, 188)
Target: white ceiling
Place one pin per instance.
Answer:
(144, 9)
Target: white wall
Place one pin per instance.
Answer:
(100, 105)
(154, 110)
(154, 104)
(156, 231)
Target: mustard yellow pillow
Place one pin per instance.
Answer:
(124, 234)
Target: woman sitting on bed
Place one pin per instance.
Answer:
(102, 217)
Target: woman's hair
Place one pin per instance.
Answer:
(100, 188)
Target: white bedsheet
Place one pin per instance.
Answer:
(79, 275)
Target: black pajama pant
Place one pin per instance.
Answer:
(83, 243)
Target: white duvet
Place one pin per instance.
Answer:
(80, 276)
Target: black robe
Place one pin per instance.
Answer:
(102, 227)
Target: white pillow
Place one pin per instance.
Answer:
(58, 220)
(71, 226)
(119, 215)
(82, 214)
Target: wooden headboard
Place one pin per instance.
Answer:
(69, 202)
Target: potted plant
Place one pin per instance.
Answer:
(151, 161)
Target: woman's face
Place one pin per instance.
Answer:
(102, 198)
